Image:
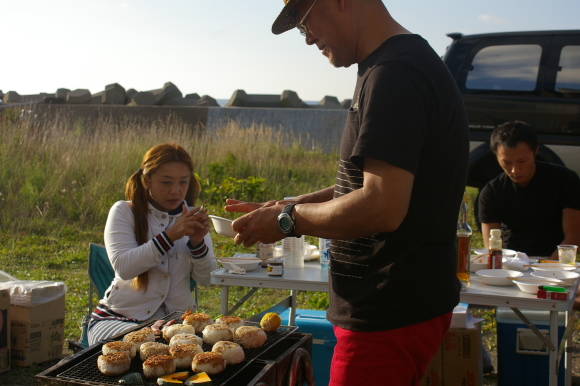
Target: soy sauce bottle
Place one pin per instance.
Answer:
(495, 253)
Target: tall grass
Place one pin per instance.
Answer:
(59, 176)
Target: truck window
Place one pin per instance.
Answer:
(505, 68)
(568, 78)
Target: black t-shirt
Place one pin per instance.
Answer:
(408, 112)
(531, 217)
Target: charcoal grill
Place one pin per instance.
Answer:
(81, 369)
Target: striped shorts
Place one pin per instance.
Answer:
(103, 329)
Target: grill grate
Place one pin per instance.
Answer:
(87, 370)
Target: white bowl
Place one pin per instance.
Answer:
(238, 259)
(223, 226)
(567, 277)
(478, 262)
(553, 267)
(527, 286)
(497, 276)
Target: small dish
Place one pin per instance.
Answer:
(527, 286)
(223, 226)
(567, 277)
(553, 267)
(497, 276)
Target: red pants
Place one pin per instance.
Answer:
(396, 357)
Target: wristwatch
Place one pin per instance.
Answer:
(286, 221)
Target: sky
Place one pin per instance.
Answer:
(215, 47)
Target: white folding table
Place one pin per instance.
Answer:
(313, 278)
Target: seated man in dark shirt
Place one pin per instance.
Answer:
(535, 204)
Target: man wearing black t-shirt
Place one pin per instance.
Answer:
(535, 204)
(392, 214)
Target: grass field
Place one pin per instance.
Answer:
(60, 176)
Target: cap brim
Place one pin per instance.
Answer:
(285, 20)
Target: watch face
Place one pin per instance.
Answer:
(285, 224)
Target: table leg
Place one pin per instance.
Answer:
(568, 357)
(224, 294)
(553, 353)
(293, 302)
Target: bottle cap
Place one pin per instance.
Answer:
(495, 232)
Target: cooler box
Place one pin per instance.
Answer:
(323, 341)
(522, 358)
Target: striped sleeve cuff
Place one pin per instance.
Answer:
(162, 243)
(198, 251)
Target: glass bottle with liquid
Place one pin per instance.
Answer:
(495, 253)
(463, 242)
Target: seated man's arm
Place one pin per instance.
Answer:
(571, 228)
(485, 228)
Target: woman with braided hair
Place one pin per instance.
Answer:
(156, 240)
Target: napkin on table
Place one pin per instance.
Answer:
(518, 262)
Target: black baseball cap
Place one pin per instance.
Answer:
(286, 19)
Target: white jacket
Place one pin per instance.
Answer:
(169, 274)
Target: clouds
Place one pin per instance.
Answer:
(492, 19)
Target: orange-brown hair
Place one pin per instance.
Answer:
(136, 192)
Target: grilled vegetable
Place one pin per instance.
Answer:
(198, 379)
(173, 379)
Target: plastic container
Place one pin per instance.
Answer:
(522, 358)
(323, 340)
(293, 248)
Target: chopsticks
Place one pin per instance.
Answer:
(237, 258)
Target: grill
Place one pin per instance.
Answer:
(85, 371)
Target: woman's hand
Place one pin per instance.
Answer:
(193, 223)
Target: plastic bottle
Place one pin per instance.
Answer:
(324, 248)
(495, 253)
(463, 242)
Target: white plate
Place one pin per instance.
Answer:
(497, 276)
(567, 277)
(553, 267)
(484, 251)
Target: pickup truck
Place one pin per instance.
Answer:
(527, 76)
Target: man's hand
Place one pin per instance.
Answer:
(260, 225)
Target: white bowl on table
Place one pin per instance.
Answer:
(553, 267)
(567, 277)
(241, 260)
(223, 226)
(497, 276)
(529, 287)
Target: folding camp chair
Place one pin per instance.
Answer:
(101, 274)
